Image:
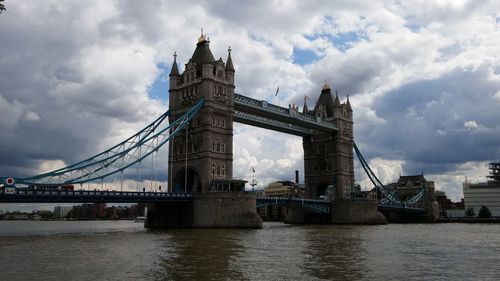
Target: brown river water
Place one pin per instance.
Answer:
(124, 250)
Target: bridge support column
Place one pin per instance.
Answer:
(299, 216)
(169, 215)
(225, 210)
(361, 211)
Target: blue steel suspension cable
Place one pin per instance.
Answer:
(378, 184)
(185, 118)
(120, 155)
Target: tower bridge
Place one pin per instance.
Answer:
(202, 109)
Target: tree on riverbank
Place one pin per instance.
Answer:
(470, 212)
(484, 212)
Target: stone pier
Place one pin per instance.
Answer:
(207, 210)
(353, 211)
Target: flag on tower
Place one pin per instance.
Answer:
(253, 169)
(277, 90)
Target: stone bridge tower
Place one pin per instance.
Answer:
(207, 153)
(328, 158)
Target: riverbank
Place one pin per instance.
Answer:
(470, 220)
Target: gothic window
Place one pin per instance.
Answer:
(223, 148)
(213, 146)
(213, 168)
(220, 73)
(223, 168)
(223, 123)
(218, 169)
(218, 147)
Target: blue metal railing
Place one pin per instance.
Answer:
(315, 205)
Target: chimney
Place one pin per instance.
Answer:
(296, 176)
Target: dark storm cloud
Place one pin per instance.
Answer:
(436, 125)
(52, 104)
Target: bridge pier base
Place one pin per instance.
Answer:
(356, 212)
(342, 212)
(225, 210)
(169, 215)
(300, 216)
(207, 210)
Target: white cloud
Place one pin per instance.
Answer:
(31, 116)
(81, 72)
(51, 165)
(470, 125)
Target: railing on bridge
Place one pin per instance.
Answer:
(90, 196)
(315, 205)
(273, 123)
(288, 116)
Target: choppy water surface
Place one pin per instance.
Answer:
(103, 250)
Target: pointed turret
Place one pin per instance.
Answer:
(337, 102)
(175, 77)
(348, 105)
(202, 54)
(229, 62)
(305, 110)
(174, 71)
(325, 100)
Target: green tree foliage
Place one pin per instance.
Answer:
(484, 212)
(2, 7)
(470, 212)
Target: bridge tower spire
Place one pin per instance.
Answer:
(207, 154)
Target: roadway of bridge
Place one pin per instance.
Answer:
(97, 196)
(86, 196)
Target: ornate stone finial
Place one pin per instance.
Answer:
(326, 86)
(229, 49)
(175, 56)
(203, 37)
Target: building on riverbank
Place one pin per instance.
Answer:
(484, 193)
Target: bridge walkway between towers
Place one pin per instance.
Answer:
(262, 114)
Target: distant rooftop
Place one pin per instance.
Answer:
(494, 175)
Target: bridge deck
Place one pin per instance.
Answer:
(85, 196)
(269, 116)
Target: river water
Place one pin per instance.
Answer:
(124, 250)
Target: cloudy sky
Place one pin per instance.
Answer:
(424, 78)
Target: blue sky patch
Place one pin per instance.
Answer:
(303, 57)
(343, 41)
(159, 89)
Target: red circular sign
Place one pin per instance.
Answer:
(9, 181)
